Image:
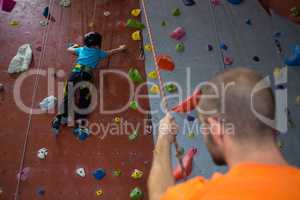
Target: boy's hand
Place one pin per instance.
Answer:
(122, 47)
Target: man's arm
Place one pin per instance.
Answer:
(161, 177)
(117, 50)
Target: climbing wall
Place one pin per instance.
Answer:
(207, 24)
(22, 135)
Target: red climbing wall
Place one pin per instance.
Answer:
(56, 174)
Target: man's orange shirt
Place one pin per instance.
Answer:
(242, 182)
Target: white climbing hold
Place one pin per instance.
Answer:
(48, 103)
(80, 172)
(22, 60)
(106, 13)
(65, 3)
(42, 153)
(44, 23)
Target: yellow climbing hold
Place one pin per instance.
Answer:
(298, 100)
(152, 74)
(154, 89)
(136, 36)
(117, 120)
(91, 24)
(99, 193)
(277, 72)
(148, 47)
(136, 174)
(136, 12)
(14, 23)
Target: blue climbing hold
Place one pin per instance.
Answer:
(188, 2)
(294, 60)
(223, 46)
(236, 2)
(46, 12)
(40, 191)
(190, 118)
(277, 34)
(99, 174)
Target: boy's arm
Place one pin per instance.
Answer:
(117, 50)
(73, 48)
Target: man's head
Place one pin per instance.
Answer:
(227, 116)
(92, 39)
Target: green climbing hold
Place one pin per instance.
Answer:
(181, 152)
(136, 194)
(176, 12)
(117, 173)
(132, 23)
(295, 12)
(171, 88)
(133, 135)
(133, 105)
(163, 23)
(180, 47)
(135, 75)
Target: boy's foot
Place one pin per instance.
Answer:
(56, 125)
(81, 133)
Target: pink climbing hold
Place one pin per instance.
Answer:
(228, 60)
(215, 2)
(187, 162)
(178, 33)
(24, 174)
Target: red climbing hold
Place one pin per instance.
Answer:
(165, 62)
(178, 33)
(228, 60)
(189, 103)
(8, 5)
(187, 162)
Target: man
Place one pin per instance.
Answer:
(257, 169)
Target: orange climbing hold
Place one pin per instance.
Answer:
(165, 62)
(189, 103)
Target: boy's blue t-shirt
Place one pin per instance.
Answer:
(89, 57)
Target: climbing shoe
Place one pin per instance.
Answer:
(56, 125)
(81, 133)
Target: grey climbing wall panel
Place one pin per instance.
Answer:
(206, 24)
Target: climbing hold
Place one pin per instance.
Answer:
(42, 153)
(190, 118)
(99, 193)
(1, 87)
(171, 88)
(248, 22)
(277, 34)
(281, 87)
(228, 60)
(121, 24)
(44, 23)
(180, 153)
(236, 2)
(91, 24)
(21, 60)
(215, 2)
(80, 172)
(136, 36)
(277, 72)
(178, 33)
(65, 3)
(152, 74)
(8, 5)
(298, 100)
(180, 47)
(294, 60)
(117, 173)
(117, 120)
(148, 47)
(176, 12)
(132, 23)
(40, 191)
(188, 2)
(39, 48)
(136, 194)
(209, 47)
(279, 144)
(46, 12)
(278, 46)
(187, 164)
(14, 23)
(132, 136)
(136, 174)
(135, 12)
(133, 105)
(191, 135)
(163, 23)
(99, 174)
(256, 58)
(154, 89)
(223, 46)
(295, 12)
(24, 174)
(135, 75)
(189, 104)
(165, 62)
(48, 103)
(106, 13)
(1, 191)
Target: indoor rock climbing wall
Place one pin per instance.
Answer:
(55, 177)
(207, 24)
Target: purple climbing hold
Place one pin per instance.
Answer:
(189, 2)
(99, 174)
(294, 60)
(236, 2)
(24, 174)
(190, 118)
(223, 46)
(209, 47)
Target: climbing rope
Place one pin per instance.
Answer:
(161, 84)
(35, 86)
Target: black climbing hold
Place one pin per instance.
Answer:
(190, 118)
(256, 58)
(235, 1)
(46, 12)
(40, 191)
(280, 87)
(189, 2)
(277, 34)
(248, 21)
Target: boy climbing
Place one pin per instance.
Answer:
(88, 57)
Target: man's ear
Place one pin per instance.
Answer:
(215, 129)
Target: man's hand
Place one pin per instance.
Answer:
(168, 128)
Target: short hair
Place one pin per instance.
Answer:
(92, 39)
(238, 84)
